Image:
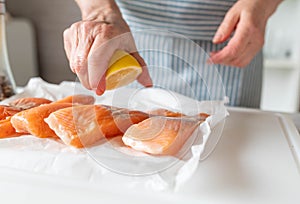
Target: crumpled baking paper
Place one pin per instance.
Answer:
(112, 162)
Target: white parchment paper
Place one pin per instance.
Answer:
(112, 162)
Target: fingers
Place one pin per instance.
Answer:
(235, 46)
(67, 42)
(98, 60)
(227, 27)
(248, 21)
(90, 46)
(144, 78)
(101, 86)
(78, 42)
(83, 78)
(246, 56)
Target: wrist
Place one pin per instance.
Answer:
(104, 10)
(103, 14)
(271, 6)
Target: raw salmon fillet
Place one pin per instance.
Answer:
(78, 99)
(83, 125)
(32, 120)
(160, 135)
(27, 103)
(6, 111)
(6, 129)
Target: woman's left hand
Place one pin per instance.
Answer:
(247, 19)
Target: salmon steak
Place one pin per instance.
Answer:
(160, 135)
(84, 125)
(32, 120)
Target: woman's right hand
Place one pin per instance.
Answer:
(90, 44)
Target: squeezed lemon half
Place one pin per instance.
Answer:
(123, 69)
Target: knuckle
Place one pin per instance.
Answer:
(78, 63)
(66, 33)
(100, 28)
(74, 26)
(234, 51)
(261, 41)
(85, 26)
(107, 30)
(255, 27)
(237, 64)
(241, 64)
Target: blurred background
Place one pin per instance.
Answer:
(35, 46)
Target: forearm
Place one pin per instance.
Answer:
(98, 9)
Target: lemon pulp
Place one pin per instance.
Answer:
(123, 69)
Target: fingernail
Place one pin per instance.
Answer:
(148, 85)
(217, 38)
(99, 92)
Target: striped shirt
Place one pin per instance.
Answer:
(175, 63)
(195, 19)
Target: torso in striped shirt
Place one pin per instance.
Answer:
(196, 19)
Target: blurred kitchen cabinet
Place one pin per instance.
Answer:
(21, 45)
(281, 80)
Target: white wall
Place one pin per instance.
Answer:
(281, 85)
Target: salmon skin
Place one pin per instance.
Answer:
(6, 129)
(27, 103)
(161, 135)
(6, 111)
(84, 125)
(32, 120)
(78, 99)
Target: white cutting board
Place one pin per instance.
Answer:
(255, 162)
(21, 45)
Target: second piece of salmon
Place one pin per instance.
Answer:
(84, 125)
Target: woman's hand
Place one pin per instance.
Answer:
(90, 44)
(246, 20)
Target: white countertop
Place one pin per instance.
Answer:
(255, 162)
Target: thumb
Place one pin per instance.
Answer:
(144, 78)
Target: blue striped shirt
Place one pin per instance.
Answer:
(175, 63)
(196, 19)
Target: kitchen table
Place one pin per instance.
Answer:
(255, 161)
